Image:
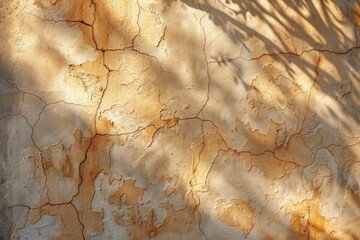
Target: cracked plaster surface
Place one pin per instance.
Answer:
(179, 119)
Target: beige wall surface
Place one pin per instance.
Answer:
(179, 119)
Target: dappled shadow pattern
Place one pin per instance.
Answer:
(221, 119)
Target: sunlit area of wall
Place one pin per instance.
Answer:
(179, 119)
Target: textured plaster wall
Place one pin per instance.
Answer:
(179, 119)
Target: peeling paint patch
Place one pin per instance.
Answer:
(237, 213)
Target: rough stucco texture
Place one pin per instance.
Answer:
(179, 119)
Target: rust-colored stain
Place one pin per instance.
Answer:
(61, 165)
(356, 11)
(237, 213)
(129, 191)
(182, 220)
(130, 195)
(154, 126)
(307, 222)
(97, 160)
(271, 166)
